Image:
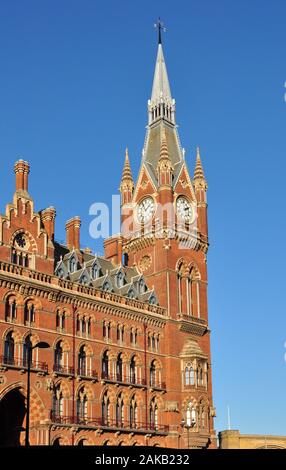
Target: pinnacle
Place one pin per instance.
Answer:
(126, 169)
(199, 172)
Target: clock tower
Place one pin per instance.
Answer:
(165, 235)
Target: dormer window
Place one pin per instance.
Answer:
(95, 271)
(61, 273)
(73, 265)
(142, 286)
(84, 280)
(152, 300)
(131, 294)
(120, 279)
(106, 287)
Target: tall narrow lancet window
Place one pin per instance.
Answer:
(9, 348)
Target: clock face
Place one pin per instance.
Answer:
(184, 209)
(145, 209)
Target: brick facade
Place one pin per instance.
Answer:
(129, 355)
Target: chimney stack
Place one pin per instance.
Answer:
(73, 233)
(22, 170)
(48, 218)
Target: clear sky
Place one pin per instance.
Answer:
(75, 77)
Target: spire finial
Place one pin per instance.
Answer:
(160, 26)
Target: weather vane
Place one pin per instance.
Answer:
(161, 27)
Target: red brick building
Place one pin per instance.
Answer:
(129, 358)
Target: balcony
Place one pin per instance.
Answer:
(63, 370)
(112, 425)
(122, 379)
(158, 385)
(87, 374)
(20, 363)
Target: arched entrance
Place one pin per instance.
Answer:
(12, 415)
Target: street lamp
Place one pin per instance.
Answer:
(189, 424)
(40, 345)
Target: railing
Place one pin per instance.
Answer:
(183, 316)
(128, 379)
(76, 287)
(92, 374)
(158, 385)
(63, 369)
(109, 424)
(19, 362)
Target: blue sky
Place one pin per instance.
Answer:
(74, 83)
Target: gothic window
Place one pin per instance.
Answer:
(189, 375)
(119, 368)
(29, 313)
(106, 330)
(11, 309)
(78, 325)
(82, 362)
(58, 403)
(200, 376)
(105, 405)
(27, 350)
(58, 356)
(81, 406)
(105, 365)
(9, 349)
(133, 411)
(88, 327)
(119, 411)
(153, 374)
(191, 415)
(153, 414)
(19, 253)
(133, 370)
(133, 337)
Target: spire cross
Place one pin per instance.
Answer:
(161, 27)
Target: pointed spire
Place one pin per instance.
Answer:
(199, 176)
(126, 174)
(161, 87)
(127, 183)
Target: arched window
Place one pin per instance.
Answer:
(106, 330)
(11, 309)
(133, 411)
(58, 403)
(29, 313)
(133, 370)
(58, 357)
(105, 365)
(105, 409)
(27, 350)
(189, 375)
(200, 376)
(81, 406)
(119, 411)
(133, 337)
(153, 374)
(119, 368)
(82, 362)
(9, 349)
(191, 415)
(153, 414)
